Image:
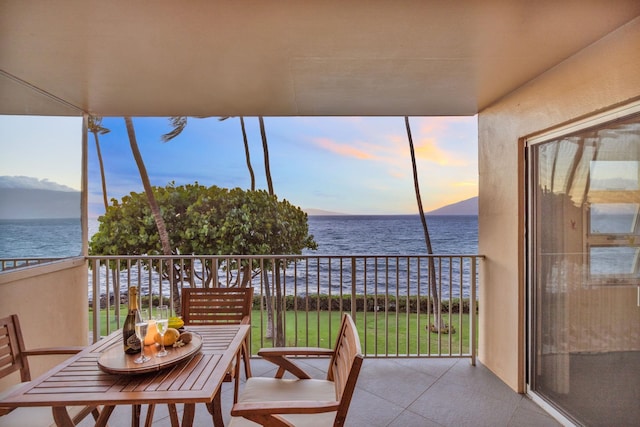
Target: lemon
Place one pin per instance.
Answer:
(170, 337)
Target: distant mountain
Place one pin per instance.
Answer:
(23, 197)
(27, 182)
(465, 207)
(312, 211)
(20, 203)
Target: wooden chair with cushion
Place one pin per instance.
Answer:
(13, 358)
(303, 401)
(220, 306)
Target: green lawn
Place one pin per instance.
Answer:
(381, 335)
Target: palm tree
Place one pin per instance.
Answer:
(265, 149)
(153, 205)
(432, 269)
(146, 183)
(279, 335)
(246, 271)
(95, 127)
(247, 154)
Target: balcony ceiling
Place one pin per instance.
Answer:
(288, 57)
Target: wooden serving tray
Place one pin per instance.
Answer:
(115, 361)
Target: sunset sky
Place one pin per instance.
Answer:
(355, 165)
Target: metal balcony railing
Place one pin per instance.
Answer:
(393, 299)
(12, 263)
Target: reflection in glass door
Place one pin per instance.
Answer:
(584, 272)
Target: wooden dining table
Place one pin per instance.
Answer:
(81, 381)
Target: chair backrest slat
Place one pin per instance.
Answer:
(214, 306)
(345, 365)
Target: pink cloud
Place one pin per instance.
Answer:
(344, 149)
(428, 149)
(437, 125)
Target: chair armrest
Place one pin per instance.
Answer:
(266, 413)
(295, 351)
(278, 356)
(53, 350)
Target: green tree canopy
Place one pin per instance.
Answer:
(203, 220)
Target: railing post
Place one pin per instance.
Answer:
(353, 288)
(472, 311)
(96, 298)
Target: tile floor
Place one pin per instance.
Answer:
(404, 393)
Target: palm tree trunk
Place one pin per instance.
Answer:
(246, 282)
(155, 209)
(267, 171)
(146, 183)
(95, 127)
(102, 177)
(247, 155)
(265, 148)
(432, 269)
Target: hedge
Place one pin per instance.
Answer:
(315, 302)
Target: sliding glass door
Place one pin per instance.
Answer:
(584, 269)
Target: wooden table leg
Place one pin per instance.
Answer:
(150, 410)
(135, 415)
(173, 415)
(188, 414)
(215, 409)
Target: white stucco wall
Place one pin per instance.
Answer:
(605, 74)
(51, 303)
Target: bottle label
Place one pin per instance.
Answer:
(133, 344)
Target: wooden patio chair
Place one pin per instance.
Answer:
(14, 357)
(220, 306)
(303, 401)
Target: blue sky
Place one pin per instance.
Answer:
(355, 165)
(47, 148)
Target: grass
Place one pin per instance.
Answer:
(383, 335)
(379, 335)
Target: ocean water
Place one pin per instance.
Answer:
(335, 235)
(40, 238)
(360, 235)
(393, 234)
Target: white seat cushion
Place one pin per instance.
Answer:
(40, 416)
(259, 389)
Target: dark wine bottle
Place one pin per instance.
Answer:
(130, 341)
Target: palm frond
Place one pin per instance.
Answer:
(178, 123)
(95, 126)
